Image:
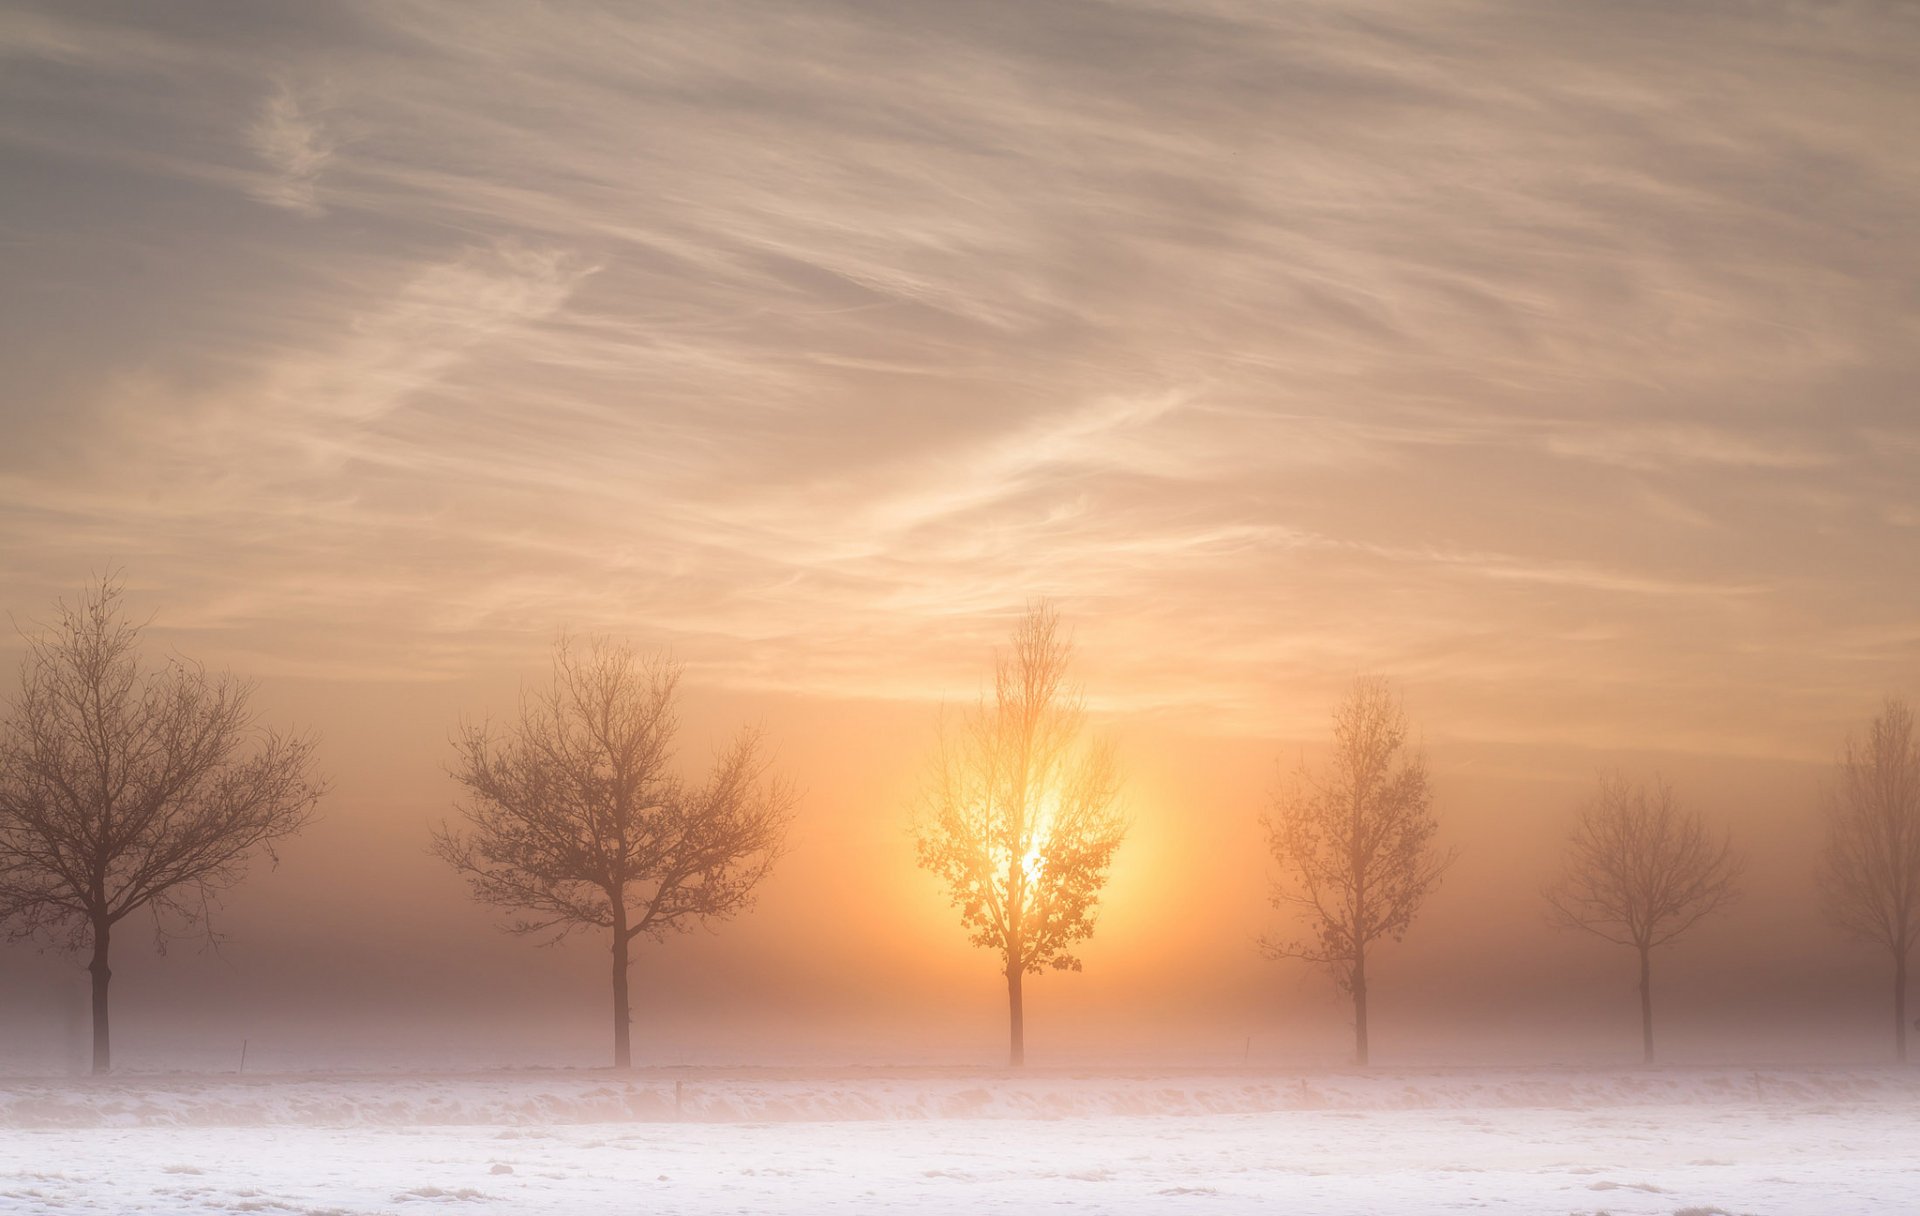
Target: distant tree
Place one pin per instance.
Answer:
(1871, 877)
(1020, 820)
(126, 788)
(575, 816)
(1355, 844)
(1640, 872)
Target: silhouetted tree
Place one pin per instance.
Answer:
(1355, 844)
(1640, 872)
(1871, 878)
(575, 815)
(1020, 819)
(125, 788)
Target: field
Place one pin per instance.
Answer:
(1829, 1141)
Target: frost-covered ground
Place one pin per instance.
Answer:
(1829, 1141)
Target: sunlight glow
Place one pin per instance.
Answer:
(1040, 835)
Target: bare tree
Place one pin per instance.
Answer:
(125, 788)
(1871, 878)
(1640, 872)
(575, 815)
(1020, 820)
(1355, 845)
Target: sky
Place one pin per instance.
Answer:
(1554, 360)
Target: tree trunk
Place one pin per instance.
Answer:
(1360, 1007)
(1646, 1005)
(622, 1012)
(1017, 1023)
(1900, 1006)
(102, 1048)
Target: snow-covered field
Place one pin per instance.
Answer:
(1829, 1141)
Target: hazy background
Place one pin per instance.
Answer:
(1555, 360)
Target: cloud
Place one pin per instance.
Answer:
(291, 137)
(1663, 446)
(439, 317)
(1502, 345)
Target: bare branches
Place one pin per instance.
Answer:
(1020, 820)
(128, 788)
(1641, 871)
(1870, 879)
(1871, 873)
(1355, 841)
(575, 818)
(125, 788)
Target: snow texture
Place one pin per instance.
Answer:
(1696, 1141)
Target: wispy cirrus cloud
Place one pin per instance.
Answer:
(1490, 344)
(291, 137)
(1656, 446)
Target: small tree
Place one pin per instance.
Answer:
(1020, 820)
(576, 817)
(1355, 846)
(1871, 877)
(126, 788)
(1640, 872)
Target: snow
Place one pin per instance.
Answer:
(1815, 1140)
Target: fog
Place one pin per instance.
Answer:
(1410, 421)
(362, 951)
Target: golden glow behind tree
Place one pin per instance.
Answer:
(1021, 822)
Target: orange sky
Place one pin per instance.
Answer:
(1553, 360)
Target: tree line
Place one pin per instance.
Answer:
(131, 787)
